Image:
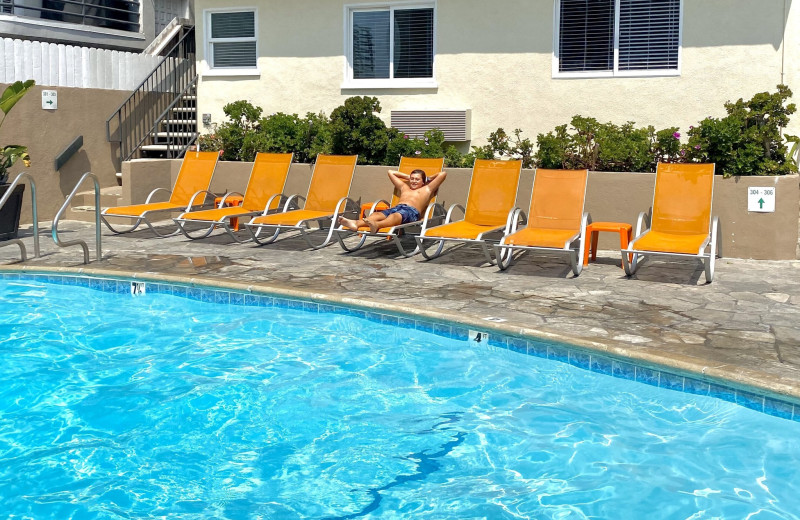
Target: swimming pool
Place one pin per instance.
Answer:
(115, 406)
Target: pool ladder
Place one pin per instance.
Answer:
(24, 252)
(97, 208)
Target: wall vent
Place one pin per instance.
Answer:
(414, 123)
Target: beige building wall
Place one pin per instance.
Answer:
(47, 133)
(497, 60)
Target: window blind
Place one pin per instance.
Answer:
(413, 43)
(586, 35)
(371, 44)
(238, 28)
(648, 34)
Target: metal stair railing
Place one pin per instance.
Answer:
(97, 209)
(139, 116)
(22, 251)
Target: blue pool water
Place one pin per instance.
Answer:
(157, 406)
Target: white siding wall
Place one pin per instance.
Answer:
(58, 65)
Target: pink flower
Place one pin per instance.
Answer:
(405, 136)
(676, 135)
(697, 147)
(417, 152)
(221, 152)
(690, 127)
(683, 152)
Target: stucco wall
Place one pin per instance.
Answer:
(496, 59)
(616, 197)
(47, 133)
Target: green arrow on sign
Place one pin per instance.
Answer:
(50, 102)
(760, 203)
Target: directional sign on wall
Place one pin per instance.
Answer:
(49, 99)
(761, 199)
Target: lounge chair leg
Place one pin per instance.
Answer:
(182, 229)
(399, 244)
(255, 234)
(630, 265)
(118, 231)
(230, 232)
(305, 234)
(340, 236)
(504, 255)
(422, 249)
(162, 235)
(575, 263)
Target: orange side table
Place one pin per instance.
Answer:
(593, 229)
(367, 205)
(233, 200)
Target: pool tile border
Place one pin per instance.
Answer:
(542, 348)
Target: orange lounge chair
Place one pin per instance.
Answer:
(193, 180)
(682, 224)
(326, 201)
(262, 195)
(556, 220)
(490, 209)
(433, 212)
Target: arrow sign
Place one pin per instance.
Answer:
(49, 99)
(761, 200)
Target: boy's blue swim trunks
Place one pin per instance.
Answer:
(408, 213)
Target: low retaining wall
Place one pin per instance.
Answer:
(610, 196)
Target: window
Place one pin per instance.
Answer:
(390, 46)
(231, 37)
(111, 14)
(617, 37)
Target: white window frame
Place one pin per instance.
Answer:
(209, 41)
(390, 83)
(614, 73)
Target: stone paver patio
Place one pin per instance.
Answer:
(744, 327)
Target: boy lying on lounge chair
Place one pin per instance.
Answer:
(416, 190)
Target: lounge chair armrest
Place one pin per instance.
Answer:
(515, 217)
(292, 199)
(716, 237)
(150, 196)
(430, 213)
(450, 212)
(341, 206)
(375, 206)
(268, 205)
(194, 197)
(642, 224)
(225, 198)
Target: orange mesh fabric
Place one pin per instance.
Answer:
(195, 175)
(492, 192)
(682, 201)
(267, 179)
(671, 243)
(558, 199)
(137, 210)
(330, 182)
(542, 237)
(290, 218)
(214, 215)
(460, 230)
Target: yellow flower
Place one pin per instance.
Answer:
(26, 162)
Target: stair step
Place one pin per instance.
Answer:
(174, 134)
(109, 196)
(162, 147)
(184, 109)
(179, 121)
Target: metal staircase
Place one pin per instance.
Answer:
(159, 119)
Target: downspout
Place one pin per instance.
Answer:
(783, 40)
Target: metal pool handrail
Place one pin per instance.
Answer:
(96, 219)
(23, 252)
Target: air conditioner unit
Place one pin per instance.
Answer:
(414, 123)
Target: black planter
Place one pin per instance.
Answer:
(9, 213)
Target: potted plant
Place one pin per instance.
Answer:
(10, 212)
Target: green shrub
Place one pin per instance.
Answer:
(236, 134)
(748, 140)
(283, 133)
(430, 146)
(606, 146)
(356, 129)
